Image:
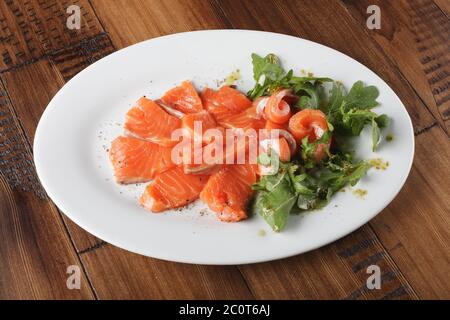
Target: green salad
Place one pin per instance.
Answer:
(307, 182)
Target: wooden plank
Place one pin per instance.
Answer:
(42, 81)
(48, 54)
(31, 29)
(119, 274)
(337, 271)
(34, 244)
(131, 21)
(415, 228)
(71, 60)
(310, 20)
(416, 35)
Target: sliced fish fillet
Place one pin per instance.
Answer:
(183, 98)
(136, 161)
(204, 118)
(148, 121)
(172, 189)
(246, 119)
(224, 102)
(229, 191)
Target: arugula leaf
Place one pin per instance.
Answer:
(358, 171)
(312, 98)
(258, 66)
(305, 201)
(310, 79)
(275, 201)
(350, 113)
(375, 134)
(295, 188)
(382, 121)
(322, 182)
(335, 100)
(356, 119)
(299, 182)
(268, 74)
(268, 66)
(274, 207)
(361, 97)
(310, 90)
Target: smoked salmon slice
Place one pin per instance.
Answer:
(231, 98)
(136, 161)
(207, 97)
(219, 112)
(183, 98)
(172, 189)
(308, 123)
(203, 118)
(224, 102)
(272, 125)
(245, 120)
(196, 126)
(229, 191)
(148, 121)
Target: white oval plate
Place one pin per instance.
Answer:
(86, 115)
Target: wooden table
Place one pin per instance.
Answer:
(410, 240)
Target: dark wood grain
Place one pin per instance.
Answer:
(416, 35)
(29, 30)
(34, 245)
(415, 226)
(131, 21)
(335, 271)
(40, 53)
(42, 80)
(118, 274)
(71, 60)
